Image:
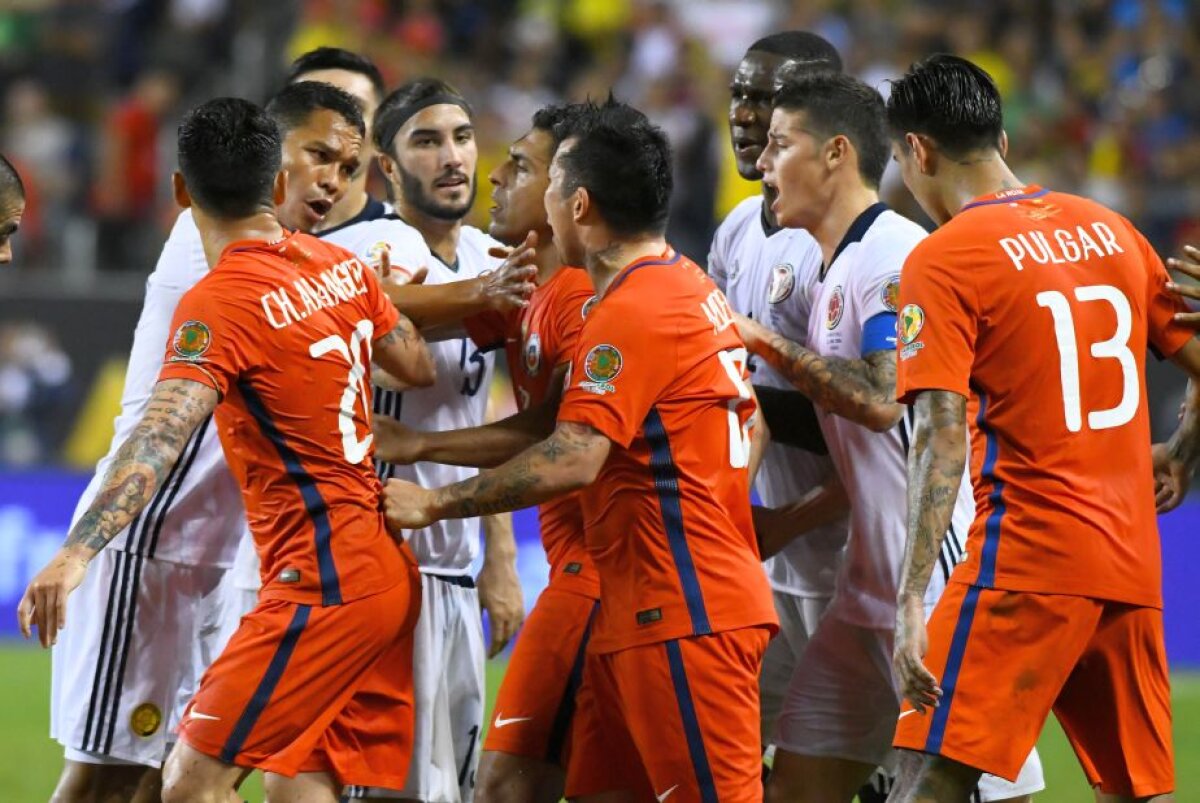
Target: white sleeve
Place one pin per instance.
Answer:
(407, 252)
(717, 259)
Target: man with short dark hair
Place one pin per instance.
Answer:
(1035, 308)
(266, 341)
(655, 430)
(12, 207)
(827, 152)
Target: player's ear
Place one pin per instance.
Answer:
(387, 166)
(837, 151)
(279, 191)
(923, 152)
(180, 191)
(581, 204)
(1003, 144)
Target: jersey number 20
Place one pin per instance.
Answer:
(1115, 348)
(357, 353)
(734, 363)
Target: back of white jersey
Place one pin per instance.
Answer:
(457, 400)
(859, 292)
(760, 271)
(196, 517)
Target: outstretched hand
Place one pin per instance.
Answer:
(511, 284)
(1189, 265)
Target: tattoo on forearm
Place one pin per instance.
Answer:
(404, 332)
(526, 480)
(175, 410)
(849, 388)
(935, 470)
(1184, 445)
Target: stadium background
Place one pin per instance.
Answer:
(1100, 99)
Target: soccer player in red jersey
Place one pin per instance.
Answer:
(277, 340)
(527, 744)
(655, 429)
(1028, 313)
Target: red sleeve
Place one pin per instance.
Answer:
(568, 322)
(210, 340)
(937, 325)
(1165, 334)
(618, 372)
(490, 329)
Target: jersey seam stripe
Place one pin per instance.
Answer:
(1008, 200)
(266, 686)
(638, 266)
(111, 616)
(139, 561)
(991, 539)
(566, 706)
(666, 483)
(691, 724)
(122, 637)
(189, 458)
(958, 649)
(314, 503)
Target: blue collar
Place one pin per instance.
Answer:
(372, 211)
(641, 263)
(1006, 199)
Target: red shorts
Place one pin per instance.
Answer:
(677, 718)
(1005, 659)
(303, 688)
(536, 702)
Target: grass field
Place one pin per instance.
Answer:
(30, 761)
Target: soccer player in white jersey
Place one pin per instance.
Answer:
(425, 139)
(827, 152)
(760, 265)
(154, 613)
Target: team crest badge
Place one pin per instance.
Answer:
(783, 282)
(145, 720)
(837, 305)
(890, 294)
(602, 365)
(587, 306)
(533, 354)
(912, 321)
(191, 340)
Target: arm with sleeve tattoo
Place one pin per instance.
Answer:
(566, 461)
(1176, 460)
(175, 409)
(862, 390)
(935, 471)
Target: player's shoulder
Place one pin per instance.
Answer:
(181, 262)
(473, 247)
(885, 245)
(748, 212)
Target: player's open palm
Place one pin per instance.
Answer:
(406, 507)
(917, 683)
(511, 284)
(1188, 265)
(44, 605)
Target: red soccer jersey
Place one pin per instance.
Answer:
(283, 331)
(1039, 306)
(660, 371)
(537, 340)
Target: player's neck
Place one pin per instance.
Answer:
(217, 234)
(354, 201)
(547, 260)
(440, 235)
(978, 178)
(604, 264)
(848, 203)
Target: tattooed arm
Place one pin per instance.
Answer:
(1176, 460)
(935, 471)
(862, 390)
(569, 459)
(175, 409)
(404, 356)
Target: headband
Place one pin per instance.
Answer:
(395, 121)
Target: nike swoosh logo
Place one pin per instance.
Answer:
(198, 715)
(903, 714)
(501, 722)
(666, 794)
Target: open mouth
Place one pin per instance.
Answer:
(320, 207)
(744, 145)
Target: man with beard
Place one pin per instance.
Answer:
(425, 139)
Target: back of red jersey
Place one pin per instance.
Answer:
(660, 371)
(284, 331)
(538, 339)
(1040, 306)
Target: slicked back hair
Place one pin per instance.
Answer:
(951, 100)
(293, 105)
(335, 58)
(624, 162)
(229, 155)
(836, 103)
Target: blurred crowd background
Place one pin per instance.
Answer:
(1101, 98)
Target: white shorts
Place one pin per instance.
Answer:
(448, 692)
(140, 632)
(842, 703)
(798, 617)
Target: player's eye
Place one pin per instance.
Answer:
(424, 142)
(464, 137)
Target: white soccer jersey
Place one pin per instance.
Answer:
(853, 312)
(196, 516)
(457, 400)
(760, 270)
